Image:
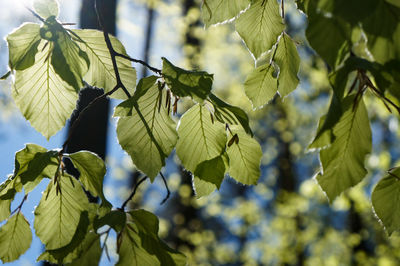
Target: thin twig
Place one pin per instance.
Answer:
(112, 51)
(133, 193)
(104, 247)
(155, 70)
(283, 9)
(166, 186)
(36, 14)
(20, 205)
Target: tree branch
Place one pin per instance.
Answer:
(133, 193)
(166, 186)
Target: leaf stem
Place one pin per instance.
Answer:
(20, 205)
(133, 193)
(166, 186)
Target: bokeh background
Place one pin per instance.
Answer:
(284, 220)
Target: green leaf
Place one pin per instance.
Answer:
(329, 37)
(228, 114)
(386, 202)
(101, 72)
(92, 170)
(325, 136)
(219, 11)
(90, 251)
(22, 46)
(15, 238)
(199, 138)
(70, 62)
(8, 189)
(116, 219)
(57, 215)
(33, 163)
(260, 26)
(48, 101)
(46, 8)
(261, 85)
(212, 171)
(149, 134)
(343, 161)
(288, 60)
(139, 244)
(382, 28)
(183, 83)
(244, 158)
(72, 251)
(202, 188)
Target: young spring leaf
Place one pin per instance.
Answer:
(139, 244)
(202, 188)
(58, 214)
(288, 60)
(69, 61)
(382, 28)
(101, 72)
(33, 163)
(90, 251)
(219, 11)
(228, 114)
(184, 83)
(213, 170)
(261, 85)
(8, 189)
(386, 202)
(116, 219)
(46, 8)
(72, 251)
(260, 26)
(244, 158)
(43, 97)
(329, 37)
(199, 138)
(23, 46)
(148, 134)
(343, 161)
(92, 170)
(15, 238)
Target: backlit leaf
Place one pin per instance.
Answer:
(232, 115)
(15, 238)
(202, 188)
(288, 60)
(101, 73)
(46, 8)
(218, 11)
(33, 163)
(70, 62)
(343, 161)
(139, 244)
(260, 26)
(244, 158)
(57, 215)
(22, 46)
(43, 97)
(261, 85)
(149, 134)
(329, 37)
(199, 138)
(92, 170)
(183, 83)
(386, 202)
